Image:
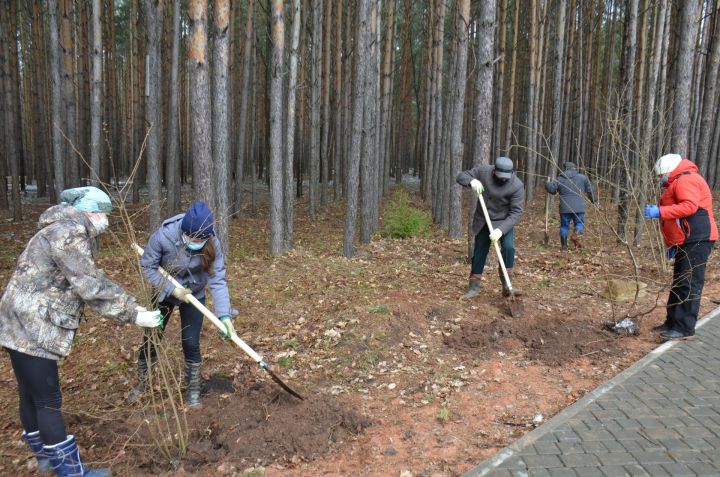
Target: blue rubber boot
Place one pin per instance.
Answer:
(36, 445)
(65, 459)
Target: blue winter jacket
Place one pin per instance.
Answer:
(166, 249)
(572, 187)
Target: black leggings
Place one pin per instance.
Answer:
(40, 396)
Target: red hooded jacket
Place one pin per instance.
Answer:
(686, 213)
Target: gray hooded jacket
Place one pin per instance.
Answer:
(54, 279)
(166, 249)
(572, 186)
(504, 202)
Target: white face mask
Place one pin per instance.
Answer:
(99, 221)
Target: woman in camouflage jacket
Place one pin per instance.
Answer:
(40, 312)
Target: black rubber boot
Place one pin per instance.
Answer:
(36, 445)
(563, 243)
(192, 384)
(65, 459)
(473, 289)
(142, 382)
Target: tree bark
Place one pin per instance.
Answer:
(242, 149)
(289, 198)
(277, 215)
(361, 40)
(315, 124)
(172, 164)
(462, 22)
(57, 120)
(96, 87)
(220, 120)
(325, 148)
(201, 126)
(154, 18)
(68, 90)
(707, 121)
(683, 77)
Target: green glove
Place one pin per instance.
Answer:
(229, 329)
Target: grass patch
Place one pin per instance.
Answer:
(444, 415)
(378, 309)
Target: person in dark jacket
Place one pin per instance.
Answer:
(40, 312)
(186, 247)
(504, 196)
(688, 226)
(572, 187)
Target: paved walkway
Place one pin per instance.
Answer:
(660, 417)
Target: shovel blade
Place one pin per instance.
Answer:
(517, 310)
(280, 382)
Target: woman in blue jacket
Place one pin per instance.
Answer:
(186, 247)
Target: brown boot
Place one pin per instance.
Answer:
(473, 287)
(505, 289)
(577, 239)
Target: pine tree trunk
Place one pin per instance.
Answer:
(513, 79)
(172, 164)
(68, 91)
(277, 215)
(387, 61)
(220, 120)
(499, 136)
(8, 27)
(242, 149)
(57, 120)
(154, 18)
(315, 124)
(683, 77)
(708, 122)
(533, 46)
(462, 22)
(325, 148)
(201, 127)
(40, 93)
(290, 134)
(338, 109)
(96, 87)
(361, 43)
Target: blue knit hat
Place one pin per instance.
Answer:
(198, 221)
(87, 199)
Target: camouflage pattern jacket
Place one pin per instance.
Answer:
(54, 279)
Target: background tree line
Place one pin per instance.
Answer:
(346, 96)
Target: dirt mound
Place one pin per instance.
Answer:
(256, 425)
(544, 339)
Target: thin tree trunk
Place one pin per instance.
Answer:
(513, 78)
(242, 149)
(361, 41)
(68, 90)
(172, 164)
(57, 120)
(220, 119)
(39, 84)
(277, 215)
(153, 118)
(8, 27)
(456, 148)
(707, 121)
(325, 148)
(338, 132)
(387, 62)
(533, 46)
(96, 87)
(290, 138)
(499, 102)
(315, 124)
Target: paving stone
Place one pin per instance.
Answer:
(616, 458)
(653, 457)
(614, 471)
(678, 470)
(637, 471)
(514, 462)
(588, 472)
(579, 460)
(705, 469)
(562, 473)
(546, 448)
(542, 461)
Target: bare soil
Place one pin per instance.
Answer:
(398, 374)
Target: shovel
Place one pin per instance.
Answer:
(234, 337)
(514, 303)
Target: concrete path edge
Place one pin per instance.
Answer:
(569, 412)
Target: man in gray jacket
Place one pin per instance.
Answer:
(572, 187)
(504, 197)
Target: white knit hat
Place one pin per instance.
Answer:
(667, 163)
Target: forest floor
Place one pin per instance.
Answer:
(400, 377)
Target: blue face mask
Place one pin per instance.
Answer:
(663, 180)
(193, 246)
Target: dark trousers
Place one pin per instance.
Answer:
(40, 396)
(191, 321)
(482, 248)
(683, 304)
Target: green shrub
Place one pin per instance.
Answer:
(402, 220)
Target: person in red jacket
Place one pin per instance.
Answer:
(688, 227)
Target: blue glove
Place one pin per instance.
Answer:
(670, 252)
(652, 212)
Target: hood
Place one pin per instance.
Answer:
(57, 213)
(684, 166)
(171, 228)
(570, 173)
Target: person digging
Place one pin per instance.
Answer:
(572, 187)
(504, 195)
